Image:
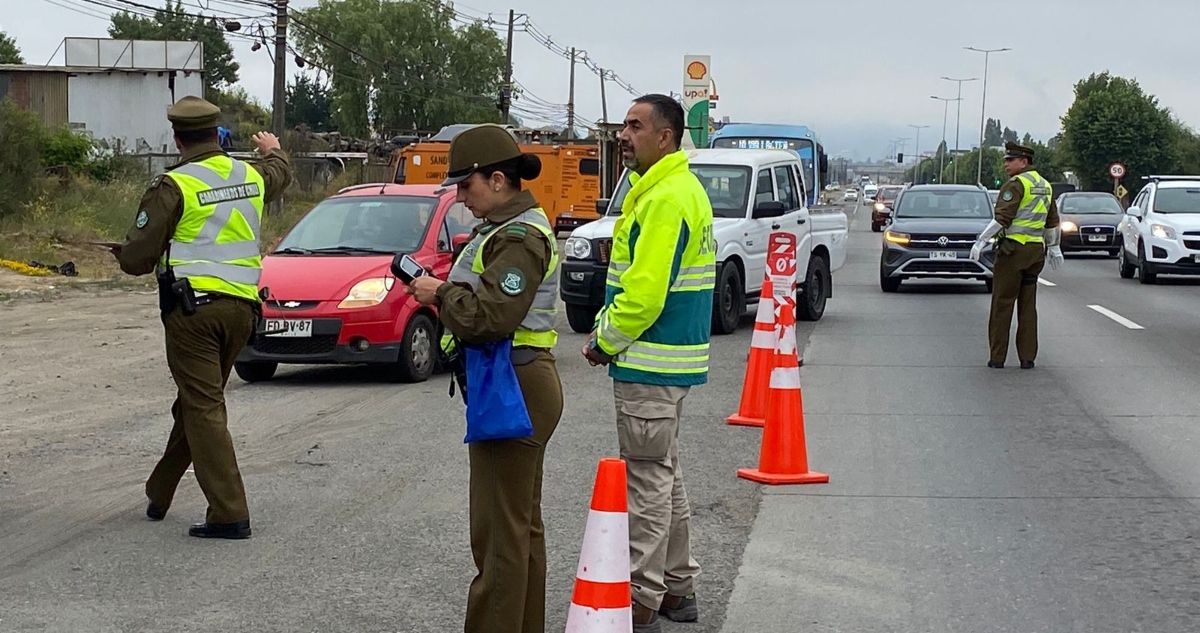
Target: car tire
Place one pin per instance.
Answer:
(1145, 270)
(1125, 269)
(1114, 252)
(876, 227)
(888, 284)
(582, 318)
(988, 284)
(418, 350)
(255, 371)
(810, 304)
(729, 300)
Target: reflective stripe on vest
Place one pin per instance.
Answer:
(537, 328)
(1030, 222)
(216, 243)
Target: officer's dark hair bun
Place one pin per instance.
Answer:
(529, 166)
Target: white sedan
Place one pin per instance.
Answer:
(850, 195)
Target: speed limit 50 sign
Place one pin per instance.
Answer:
(1116, 170)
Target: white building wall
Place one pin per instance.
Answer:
(129, 108)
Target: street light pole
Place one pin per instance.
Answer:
(917, 153)
(983, 108)
(957, 119)
(945, 113)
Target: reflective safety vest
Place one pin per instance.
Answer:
(216, 243)
(1030, 222)
(537, 328)
(657, 317)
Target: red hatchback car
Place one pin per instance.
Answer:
(333, 298)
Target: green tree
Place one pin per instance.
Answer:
(22, 140)
(175, 23)
(1112, 119)
(1008, 135)
(308, 103)
(991, 133)
(9, 53)
(402, 65)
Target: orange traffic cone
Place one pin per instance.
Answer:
(756, 387)
(783, 458)
(602, 602)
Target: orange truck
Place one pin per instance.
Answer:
(568, 187)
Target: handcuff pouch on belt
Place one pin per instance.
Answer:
(179, 293)
(456, 362)
(1005, 246)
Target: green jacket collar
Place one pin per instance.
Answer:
(515, 206)
(668, 165)
(199, 152)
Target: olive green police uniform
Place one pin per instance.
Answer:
(1025, 209)
(201, 220)
(504, 283)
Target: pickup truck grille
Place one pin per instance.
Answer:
(603, 250)
(933, 240)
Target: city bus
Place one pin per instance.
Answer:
(796, 138)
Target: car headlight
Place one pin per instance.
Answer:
(578, 248)
(368, 292)
(879, 206)
(1069, 226)
(1162, 232)
(896, 238)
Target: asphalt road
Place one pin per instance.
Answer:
(964, 498)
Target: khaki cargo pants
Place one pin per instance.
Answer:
(659, 514)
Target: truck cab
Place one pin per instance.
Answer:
(753, 193)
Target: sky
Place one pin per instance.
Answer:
(858, 72)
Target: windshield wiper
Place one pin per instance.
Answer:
(352, 249)
(292, 250)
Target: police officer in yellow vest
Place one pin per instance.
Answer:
(653, 332)
(198, 226)
(504, 284)
(1025, 226)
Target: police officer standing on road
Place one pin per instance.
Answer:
(504, 284)
(199, 227)
(1026, 228)
(653, 332)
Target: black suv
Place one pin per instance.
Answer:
(930, 235)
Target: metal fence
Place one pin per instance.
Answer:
(310, 173)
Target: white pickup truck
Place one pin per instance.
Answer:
(753, 193)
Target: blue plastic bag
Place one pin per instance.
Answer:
(495, 405)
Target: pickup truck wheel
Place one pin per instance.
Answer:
(255, 372)
(810, 304)
(581, 317)
(729, 302)
(1126, 269)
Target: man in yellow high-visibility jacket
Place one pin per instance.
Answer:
(653, 332)
(198, 226)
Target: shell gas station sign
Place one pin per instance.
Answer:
(697, 94)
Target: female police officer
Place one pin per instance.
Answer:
(504, 284)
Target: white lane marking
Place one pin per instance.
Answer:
(1116, 317)
(1044, 282)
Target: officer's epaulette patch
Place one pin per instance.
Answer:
(518, 230)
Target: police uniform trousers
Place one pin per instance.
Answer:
(201, 350)
(1015, 281)
(659, 513)
(508, 542)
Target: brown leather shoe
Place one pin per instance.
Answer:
(645, 619)
(680, 608)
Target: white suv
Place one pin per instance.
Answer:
(1161, 230)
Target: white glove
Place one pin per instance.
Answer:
(1052, 236)
(992, 229)
(1054, 254)
(976, 251)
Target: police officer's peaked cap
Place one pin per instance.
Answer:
(478, 148)
(193, 113)
(1012, 150)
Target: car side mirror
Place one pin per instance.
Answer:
(768, 209)
(602, 205)
(1134, 211)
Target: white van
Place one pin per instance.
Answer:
(869, 192)
(753, 193)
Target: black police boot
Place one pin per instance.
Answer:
(995, 364)
(1026, 364)
(153, 512)
(680, 608)
(239, 530)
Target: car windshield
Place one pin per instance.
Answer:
(944, 204)
(1088, 205)
(888, 194)
(727, 186)
(1177, 200)
(355, 225)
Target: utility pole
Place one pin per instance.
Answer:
(945, 114)
(281, 21)
(571, 99)
(603, 99)
(957, 119)
(917, 154)
(983, 108)
(506, 89)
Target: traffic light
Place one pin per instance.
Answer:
(899, 158)
(997, 181)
